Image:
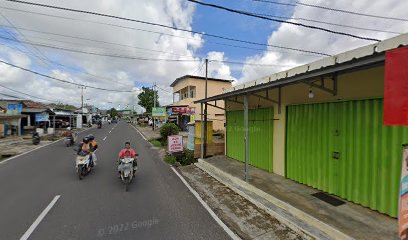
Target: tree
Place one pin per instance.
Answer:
(113, 113)
(146, 99)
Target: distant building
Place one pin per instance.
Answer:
(188, 89)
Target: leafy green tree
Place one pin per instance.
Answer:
(113, 113)
(146, 99)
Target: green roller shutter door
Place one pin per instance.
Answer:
(260, 136)
(368, 169)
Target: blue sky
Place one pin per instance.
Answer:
(220, 22)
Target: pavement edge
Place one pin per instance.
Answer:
(222, 176)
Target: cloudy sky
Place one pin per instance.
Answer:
(68, 46)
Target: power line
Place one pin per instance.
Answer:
(101, 54)
(24, 93)
(164, 26)
(68, 67)
(89, 39)
(333, 9)
(61, 80)
(161, 33)
(163, 89)
(281, 21)
(353, 13)
(132, 57)
(35, 55)
(252, 64)
(330, 23)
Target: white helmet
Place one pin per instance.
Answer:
(68, 128)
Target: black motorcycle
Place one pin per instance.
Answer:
(36, 138)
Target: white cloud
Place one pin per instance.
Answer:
(309, 39)
(113, 73)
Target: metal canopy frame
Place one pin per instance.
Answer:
(322, 85)
(350, 66)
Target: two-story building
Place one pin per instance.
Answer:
(188, 89)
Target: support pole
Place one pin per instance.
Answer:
(154, 106)
(205, 109)
(246, 136)
(202, 132)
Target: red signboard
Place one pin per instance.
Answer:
(188, 110)
(396, 87)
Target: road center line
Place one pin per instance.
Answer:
(39, 218)
(104, 138)
(210, 211)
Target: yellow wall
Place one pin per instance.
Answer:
(351, 86)
(214, 88)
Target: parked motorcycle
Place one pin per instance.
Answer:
(36, 138)
(126, 171)
(83, 166)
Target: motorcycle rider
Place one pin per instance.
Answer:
(128, 152)
(93, 146)
(69, 134)
(84, 147)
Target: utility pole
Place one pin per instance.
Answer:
(82, 97)
(205, 110)
(154, 106)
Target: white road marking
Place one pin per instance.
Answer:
(110, 131)
(39, 218)
(141, 135)
(105, 138)
(213, 215)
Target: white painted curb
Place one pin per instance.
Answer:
(213, 215)
(321, 226)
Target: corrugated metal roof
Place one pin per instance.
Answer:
(391, 43)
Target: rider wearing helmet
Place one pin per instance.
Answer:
(84, 147)
(92, 142)
(128, 152)
(93, 146)
(69, 133)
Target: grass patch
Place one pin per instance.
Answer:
(156, 143)
(170, 159)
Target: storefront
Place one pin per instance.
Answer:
(326, 126)
(181, 116)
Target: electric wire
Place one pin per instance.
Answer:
(13, 90)
(101, 54)
(163, 26)
(162, 33)
(329, 23)
(64, 81)
(69, 67)
(332, 9)
(281, 21)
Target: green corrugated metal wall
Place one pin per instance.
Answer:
(368, 170)
(260, 128)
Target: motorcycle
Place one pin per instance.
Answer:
(83, 166)
(69, 141)
(99, 125)
(126, 171)
(36, 138)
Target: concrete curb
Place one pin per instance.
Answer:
(297, 220)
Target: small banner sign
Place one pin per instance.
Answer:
(175, 143)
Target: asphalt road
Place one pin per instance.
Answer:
(157, 206)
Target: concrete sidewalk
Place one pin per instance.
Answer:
(293, 204)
